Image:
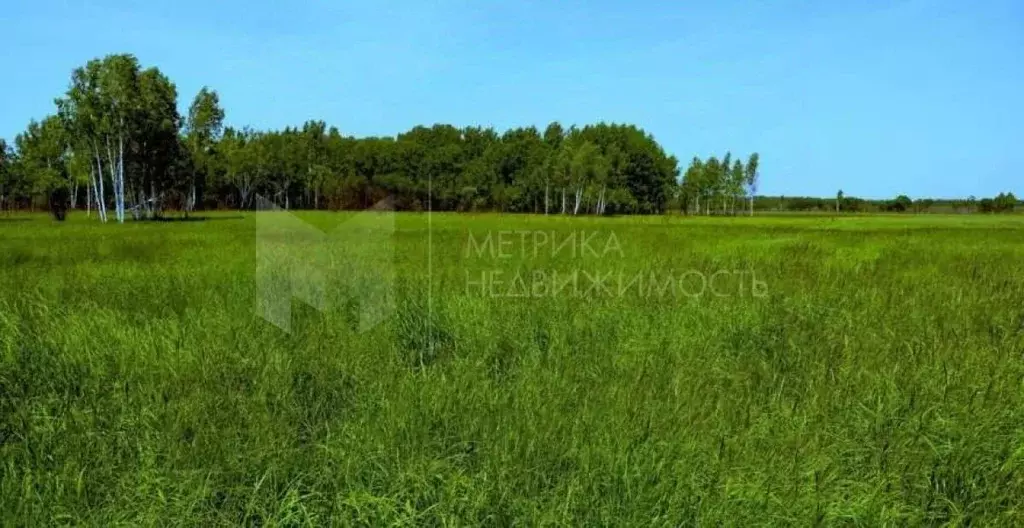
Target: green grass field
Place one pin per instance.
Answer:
(862, 370)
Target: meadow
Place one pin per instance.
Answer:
(495, 370)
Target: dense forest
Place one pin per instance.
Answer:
(118, 147)
(117, 135)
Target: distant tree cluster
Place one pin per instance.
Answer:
(901, 204)
(1003, 203)
(116, 138)
(118, 148)
(595, 169)
(719, 186)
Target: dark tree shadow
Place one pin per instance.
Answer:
(173, 219)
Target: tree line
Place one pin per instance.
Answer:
(1001, 203)
(117, 147)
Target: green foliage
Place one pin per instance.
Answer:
(900, 204)
(119, 124)
(876, 382)
(117, 135)
(42, 151)
(124, 121)
(446, 168)
(714, 186)
(1003, 203)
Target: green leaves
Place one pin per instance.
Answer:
(124, 121)
(718, 185)
(205, 119)
(42, 155)
(122, 130)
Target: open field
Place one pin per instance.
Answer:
(496, 370)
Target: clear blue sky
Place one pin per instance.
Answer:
(877, 98)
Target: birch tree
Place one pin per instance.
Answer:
(314, 146)
(693, 184)
(118, 115)
(80, 111)
(562, 172)
(203, 130)
(118, 103)
(244, 162)
(722, 181)
(98, 109)
(736, 179)
(156, 149)
(750, 178)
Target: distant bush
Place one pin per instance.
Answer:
(1003, 203)
(900, 204)
(853, 205)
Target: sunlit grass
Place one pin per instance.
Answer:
(876, 376)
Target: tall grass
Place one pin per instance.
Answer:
(876, 378)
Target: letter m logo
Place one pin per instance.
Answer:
(349, 268)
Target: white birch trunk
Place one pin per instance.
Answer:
(120, 177)
(152, 196)
(98, 195)
(243, 192)
(112, 166)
